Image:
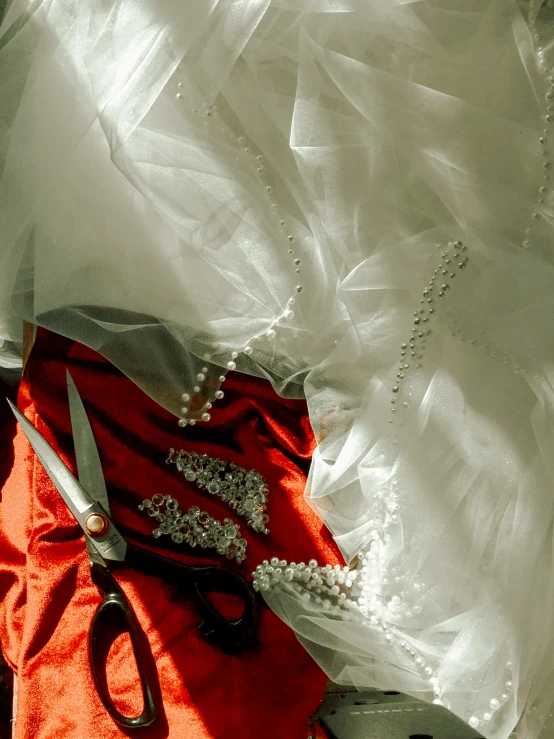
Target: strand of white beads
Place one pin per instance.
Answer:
(198, 400)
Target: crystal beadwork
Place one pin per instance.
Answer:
(244, 490)
(195, 527)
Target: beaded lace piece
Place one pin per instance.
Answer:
(195, 527)
(244, 490)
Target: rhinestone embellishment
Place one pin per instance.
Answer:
(195, 527)
(244, 490)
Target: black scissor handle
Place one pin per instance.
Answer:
(201, 581)
(229, 635)
(115, 605)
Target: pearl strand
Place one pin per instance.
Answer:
(258, 162)
(412, 351)
(544, 190)
(494, 704)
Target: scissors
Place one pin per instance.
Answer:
(87, 499)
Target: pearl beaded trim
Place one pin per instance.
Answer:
(244, 490)
(411, 352)
(195, 527)
(196, 405)
(494, 704)
(544, 191)
(200, 402)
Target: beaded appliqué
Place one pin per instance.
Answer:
(244, 490)
(195, 527)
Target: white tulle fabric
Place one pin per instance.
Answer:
(137, 222)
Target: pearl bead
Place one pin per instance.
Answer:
(196, 388)
(182, 422)
(487, 716)
(219, 394)
(270, 334)
(184, 410)
(494, 704)
(509, 684)
(248, 350)
(438, 702)
(178, 96)
(200, 377)
(474, 722)
(206, 416)
(299, 288)
(231, 365)
(185, 397)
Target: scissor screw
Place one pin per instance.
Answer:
(96, 524)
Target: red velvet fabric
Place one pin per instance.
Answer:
(46, 594)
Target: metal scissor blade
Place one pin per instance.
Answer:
(89, 466)
(111, 545)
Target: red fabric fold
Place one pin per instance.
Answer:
(46, 594)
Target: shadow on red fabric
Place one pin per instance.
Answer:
(48, 599)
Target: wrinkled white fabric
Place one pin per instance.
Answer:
(137, 222)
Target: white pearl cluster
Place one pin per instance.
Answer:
(454, 258)
(345, 594)
(257, 163)
(332, 588)
(494, 704)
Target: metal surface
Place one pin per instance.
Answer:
(89, 466)
(389, 715)
(112, 545)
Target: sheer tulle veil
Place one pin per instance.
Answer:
(351, 198)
